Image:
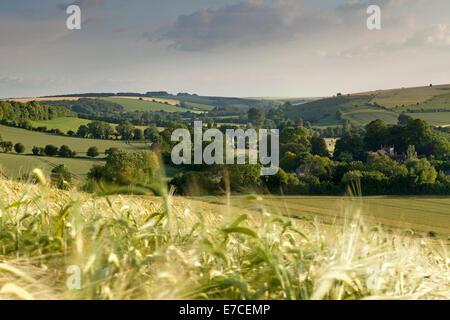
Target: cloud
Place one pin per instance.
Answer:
(245, 23)
(260, 22)
(434, 36)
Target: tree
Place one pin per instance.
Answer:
(100, 129)
(441, 146)
(345, 156)
(50, 150)
(152, 134)
(256, 116)
(66, 152)
(125, 129)
(376, 135)
(319, 146)
(110, 151)
(138, 134)
(353, 144)
(403, 119)
(61, 177)
(92, 152)
(289, 162)
(385, 165)
(351, 177)
(278, 181)
(6, 146)
(422, 169)
(411, 152)
(128, 168)
(38, 151)
(418, 133)
(19, 148)
(82, 131)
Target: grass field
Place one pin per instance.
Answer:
(16, 166)
(366, 115)
(144, 105)
(135, 247)
(32, 138)
(434, 118)
(407, 96)
(63, 124)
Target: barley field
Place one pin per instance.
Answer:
(134, 247)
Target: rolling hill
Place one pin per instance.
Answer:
(431, 103)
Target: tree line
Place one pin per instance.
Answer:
(20, 114)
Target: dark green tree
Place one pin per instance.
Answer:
(51, 150)
(19, 148)
(65, 152)
(319, 147)
(92, 152)
(256, 116)
(352, 144)
(125, 129)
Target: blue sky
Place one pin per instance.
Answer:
(253, 48)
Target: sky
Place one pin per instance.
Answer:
(241, 48)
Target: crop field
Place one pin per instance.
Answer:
(420, 214)
(64, 124)
(172, 102)
(136, 247)
(144, 105)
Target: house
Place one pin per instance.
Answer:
(390, 152)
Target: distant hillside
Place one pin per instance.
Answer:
(431, 103)
(191, 100)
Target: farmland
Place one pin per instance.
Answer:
(15, 166)
(144, 105)
(421, 214)
(32, 138)
(406, 96)
(362, 108)
(64, 124)
(134, 247)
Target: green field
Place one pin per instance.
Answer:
(366, 115)
(63, 124)
(15, 165)
(409, 96)
(434, 118)
(32, 138)
(419, 213)
(200, 106)
(144, 105)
